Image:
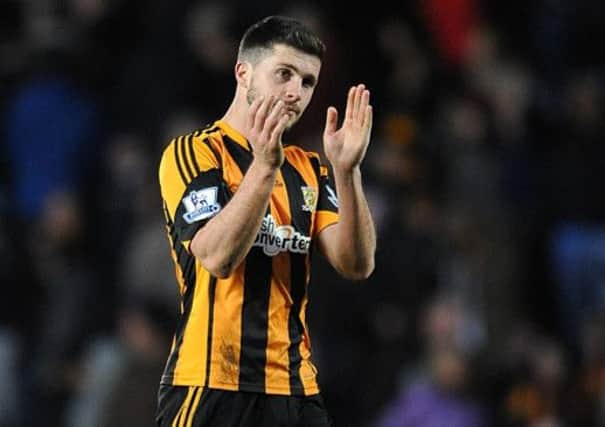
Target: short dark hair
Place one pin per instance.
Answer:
(273, 30)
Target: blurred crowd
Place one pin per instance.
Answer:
(484, 176)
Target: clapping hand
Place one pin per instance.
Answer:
(346, 147)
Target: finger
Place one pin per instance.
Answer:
(363, 104)
(273, 117)
(349, 108)
(357, 100)
(331, 121)
(261, 114)
(279, 128)
(368, 118)
(252, 111)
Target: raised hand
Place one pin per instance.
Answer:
(346, 147)
(265, 125)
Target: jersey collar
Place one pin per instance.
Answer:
(234, 134)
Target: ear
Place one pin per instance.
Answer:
(243, 72)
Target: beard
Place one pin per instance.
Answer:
(252, 94)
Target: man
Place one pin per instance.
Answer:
(242, 212)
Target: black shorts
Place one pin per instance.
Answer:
(191, 406)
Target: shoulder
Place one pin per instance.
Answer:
(296, 153)
(192, 153)
(210, 135)
(208, 138)
(310, 160)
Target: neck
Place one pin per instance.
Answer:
(236, 115)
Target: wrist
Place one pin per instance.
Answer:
(345, 172)
(263, 170)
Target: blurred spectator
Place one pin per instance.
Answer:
(586, 403)
(539, 401)
(51, 130)
(124, 191)
(439, 392)
(408, 72)
(69, 313)
(472, 176)
(436, 401)
(119, 374)
(576, 207)
(210, 42)
(451, 23)
(145, 269)
(143, 264)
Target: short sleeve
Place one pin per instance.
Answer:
(192, 186)
(327, 204)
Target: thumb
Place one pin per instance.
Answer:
(331, 120)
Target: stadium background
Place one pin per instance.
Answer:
(485, 177)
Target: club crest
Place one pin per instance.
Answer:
(310, 198)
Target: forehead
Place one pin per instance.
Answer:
(286, 55)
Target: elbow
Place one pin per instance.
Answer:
(356, 276)
(220, 272)
(221, 269)
(359, 272)
(220, 265)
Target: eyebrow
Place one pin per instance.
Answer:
(309, 76)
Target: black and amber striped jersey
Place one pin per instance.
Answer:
(248, 331)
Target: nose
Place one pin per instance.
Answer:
(293, 92)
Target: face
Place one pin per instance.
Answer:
(287, 74)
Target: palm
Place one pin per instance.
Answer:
(345, 147)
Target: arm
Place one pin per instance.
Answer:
(222, 244)
(350, 244)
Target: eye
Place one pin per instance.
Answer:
(308, 82)
(284, 73)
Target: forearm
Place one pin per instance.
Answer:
(222, 244)
(355, 233)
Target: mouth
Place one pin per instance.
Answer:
(293, 111)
